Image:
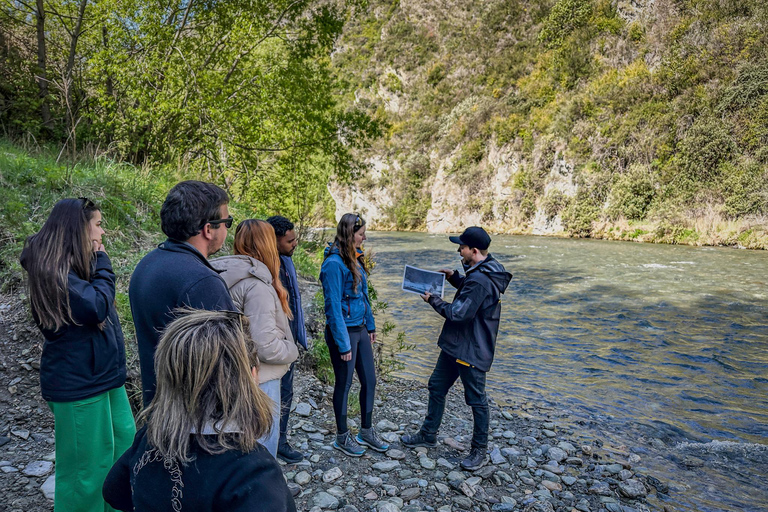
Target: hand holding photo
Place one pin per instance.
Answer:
(417, 280)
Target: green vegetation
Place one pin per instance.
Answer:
(662, 109)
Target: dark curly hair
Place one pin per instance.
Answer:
(281, 225)
(188, 206)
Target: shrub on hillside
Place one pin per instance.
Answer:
(746, 189)
(631, 194)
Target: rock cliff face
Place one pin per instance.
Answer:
(492, 202)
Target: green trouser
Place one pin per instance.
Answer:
(91, 435)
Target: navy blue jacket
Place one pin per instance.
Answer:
(472, 319)
(290, 281)
(233, 481)
(345, 305)
(175, 275)
(83, 361)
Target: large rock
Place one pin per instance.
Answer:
(38, 468)
(325, 501)
(49, 487)
(632, 488)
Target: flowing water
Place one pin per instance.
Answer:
(661, 348)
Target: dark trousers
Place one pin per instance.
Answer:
(362, 363)
(286, 399)
(446, 371)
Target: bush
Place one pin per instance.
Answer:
(553, 203)
(746, 191)
(705, 146)
(579, 215)
(631, 194)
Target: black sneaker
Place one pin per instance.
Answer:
(370, 438)
(418, 439)
(286, 453)
(345, 444)
(478, 457)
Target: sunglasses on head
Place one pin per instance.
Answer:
(227, 222)
(87, 203)
(358, 221)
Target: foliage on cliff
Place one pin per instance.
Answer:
(662, 107)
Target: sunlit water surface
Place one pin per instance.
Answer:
(637, 342)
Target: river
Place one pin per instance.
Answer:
(662, 349)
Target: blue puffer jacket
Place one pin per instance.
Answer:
(345, 306)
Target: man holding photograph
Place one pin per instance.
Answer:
(467, 342)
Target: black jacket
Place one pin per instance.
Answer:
(472, 319)
(174, 275)
(232, 481)
(83, 361)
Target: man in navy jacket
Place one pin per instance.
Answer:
(467, 341)
(195, 217)
(286, 244)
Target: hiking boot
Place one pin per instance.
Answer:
(345, 444)
(288, 454)
(370, 438)
(418, 439)
(478, 457)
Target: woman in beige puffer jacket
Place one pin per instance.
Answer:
(254, 284)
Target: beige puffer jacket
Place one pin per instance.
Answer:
(250, 285)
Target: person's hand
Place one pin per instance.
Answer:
(97, 246)
(373, 336)
(346, 357)
(426, 296)
(447, 271)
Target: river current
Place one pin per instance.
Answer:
(661, 349)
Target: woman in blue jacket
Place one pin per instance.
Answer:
(82, 368)
(349, 332)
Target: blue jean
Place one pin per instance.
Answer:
(446, 371)
(272, 389)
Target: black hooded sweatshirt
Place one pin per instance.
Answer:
(175, 275)
(472, 319)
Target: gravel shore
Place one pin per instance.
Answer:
(538, 461)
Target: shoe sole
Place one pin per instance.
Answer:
(369, 445)
(351, 454)
(289, 461)
(475, 468)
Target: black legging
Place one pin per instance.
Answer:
(362, 362)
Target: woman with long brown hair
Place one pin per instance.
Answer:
(252, 276)
(82, 368)
(349, 332)
(199, 449)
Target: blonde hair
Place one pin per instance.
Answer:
(203, 367)
(256, 238)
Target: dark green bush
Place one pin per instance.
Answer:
(579, 215)
(746, 189)
(631, 194)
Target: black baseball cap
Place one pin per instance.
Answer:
(474, 236)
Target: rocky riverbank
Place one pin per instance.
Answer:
(538, 460)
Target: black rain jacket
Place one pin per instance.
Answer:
(472, 319)
(86, 360)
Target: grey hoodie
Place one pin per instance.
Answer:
(250, 285)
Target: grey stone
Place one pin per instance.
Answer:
(462, 502)
(557, 454)
(387, 506)
(614, 469)
(567, 447)
(455, 476)
(511, 452)
(503, 507)
(325, 500)
(625, 474)
(632, 488)
(332, 475)
(294, 489)
(373, 481)
(569, 480)
(302, 478)
(600, 488)
(442, 488)
(496, 456)
(395, 454)
(303, 409)
(410, 493)
(574, 461)
(387, 426)
(49, 487)
(22, 433)
(583, 505)
(336, 491)
(426, 462)
(385, 466)
(38, 468)
(8, 469)
(442, 462)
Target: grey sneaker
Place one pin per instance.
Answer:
(418, 439)
(345, 444)
(370, 438)
(478, 457)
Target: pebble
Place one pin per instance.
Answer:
(386, 466)
(302, 478)
(496, 456)
(387, 506)
(632, 488)
(303, 409)
(38, 468)
(49, 487)
(24, 434)
(427, 463)
(395, 454)
(557, 454)
(387, 426)
(325, 500)
(410, 494)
